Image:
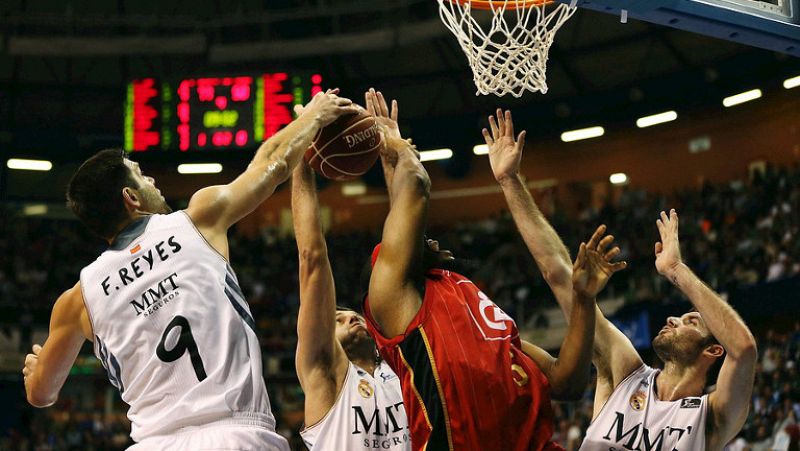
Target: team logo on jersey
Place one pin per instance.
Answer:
(690, 403)
(637, 400)
(364, 389)
(492, 321)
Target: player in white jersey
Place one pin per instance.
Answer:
(163, 306)
(352, 401)
(637, 407)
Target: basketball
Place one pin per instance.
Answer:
(346, 148)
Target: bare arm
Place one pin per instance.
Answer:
(47, 368)
(613, 353)
(320, 360)
(730, 402)
(549, 252)
(395, 287)
(544, 244)
(214, 209)
(569, 373)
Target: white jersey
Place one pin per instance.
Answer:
(367, 415)
(634, 418)
(174, 332)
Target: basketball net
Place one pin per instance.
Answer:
(508, 54)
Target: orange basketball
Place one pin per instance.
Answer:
(347, 148)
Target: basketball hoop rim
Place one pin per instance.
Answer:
(511, 5)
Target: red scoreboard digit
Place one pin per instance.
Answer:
(209, 113)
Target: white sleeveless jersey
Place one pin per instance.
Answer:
(634, 418)
(368, 415)
(173, 330)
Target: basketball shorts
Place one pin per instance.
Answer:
(228, 435)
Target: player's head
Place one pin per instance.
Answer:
(108, 189)
(433, 257)
(687, 341)
(351, 331)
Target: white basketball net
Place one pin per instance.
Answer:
(510, 55)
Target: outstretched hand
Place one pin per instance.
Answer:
(387, 119)
(505, 152)
(668, 250)
(593, 266)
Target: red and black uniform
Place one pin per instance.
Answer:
(467, 385)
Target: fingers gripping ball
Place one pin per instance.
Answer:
(346, 148)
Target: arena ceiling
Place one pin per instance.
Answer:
(64, 65)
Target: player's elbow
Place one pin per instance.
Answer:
(745, 349)
(38, 399)
(313, 258)
(558, 274)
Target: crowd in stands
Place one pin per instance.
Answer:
(734, 235)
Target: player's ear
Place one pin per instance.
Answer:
(131, 198)
(715, 351)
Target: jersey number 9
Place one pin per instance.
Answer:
(185, 343)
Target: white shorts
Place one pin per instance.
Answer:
(217, 436)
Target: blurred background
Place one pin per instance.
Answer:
(179, 83)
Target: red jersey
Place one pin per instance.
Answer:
(466, 383)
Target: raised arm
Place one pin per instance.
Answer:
(544, 244)
(550, 254)
(214, 209)
(613, 354)
(396, 283)
(320, 360)
(387, 120)
(46, 369)
(730, 401)
(569, 373)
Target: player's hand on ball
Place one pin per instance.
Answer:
(668, 250)
(505, 151)
(593, 266)
(31, 361)
(328, 106)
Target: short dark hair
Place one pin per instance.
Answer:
(94, 192)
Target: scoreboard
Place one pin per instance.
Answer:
(212, 113)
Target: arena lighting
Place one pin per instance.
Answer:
(200, 168)
(354, 189)
(793, 82)
(435, 154)
(29, 165)
(481, 149)
(34, 209)
(618, 178)
(656, 119)
(583, 133)
(741, 98)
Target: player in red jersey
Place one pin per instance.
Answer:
(469, 382)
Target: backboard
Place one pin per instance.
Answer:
(768, 24)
